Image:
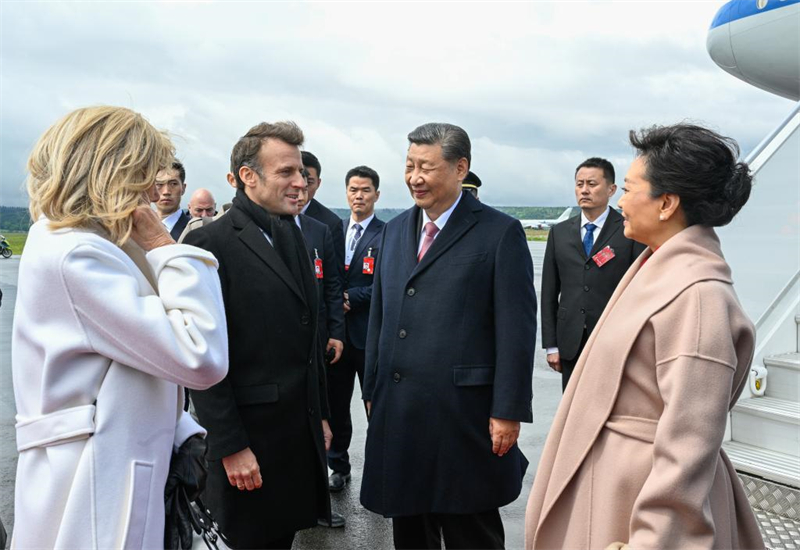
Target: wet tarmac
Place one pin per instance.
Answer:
(363, 529)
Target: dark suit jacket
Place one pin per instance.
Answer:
(359, 284)
(574, 290)
(179, 226)
(331, 311)
(451, 343)
(273, 399)
(321, 213)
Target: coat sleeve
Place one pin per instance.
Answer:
(551, 289)
(695, 366)
(332, 286)
(374, 328)
(515, 327)
(216, 406)
(178, 334)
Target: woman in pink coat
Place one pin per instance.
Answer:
(634, 458)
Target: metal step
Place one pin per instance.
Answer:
(780, 467)
(767, 422)
(783, 380)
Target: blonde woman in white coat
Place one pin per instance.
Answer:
(112, 317)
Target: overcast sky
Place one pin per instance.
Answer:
(538, 86)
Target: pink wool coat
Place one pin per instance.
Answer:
(634, 453)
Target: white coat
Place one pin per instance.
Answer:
(102, 341)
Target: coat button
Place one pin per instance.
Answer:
(587, 267)
(311, 411)
(396, 377)
(586, 288)
(583, 311)
(304, 319)
(411, 291)
(402, 333)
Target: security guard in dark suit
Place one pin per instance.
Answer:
(472, 183)
(585, 258)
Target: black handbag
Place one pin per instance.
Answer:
(185, 512)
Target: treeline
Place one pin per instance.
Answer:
(14, 219)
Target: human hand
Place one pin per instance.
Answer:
(327, 434)
(242, 469)
(346, 302)
(148, 231)
(338, 347)
(554, 360)
(369, 407)
(504, 434)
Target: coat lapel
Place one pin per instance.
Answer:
(692, 256)
(408, 242)
(612, 225)
(461, 220)
(254, 239)
(366, 238)
(575, 240)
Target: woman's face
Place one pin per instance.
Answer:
(639, 209)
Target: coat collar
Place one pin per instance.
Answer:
(254, 239)
(372, 229)
(461, 220)
(691, 256)
(612, 224)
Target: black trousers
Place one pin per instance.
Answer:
(460, 531)
(568, 365)
(341, 382)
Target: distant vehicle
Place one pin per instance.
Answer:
(5, 250)
(546, 224)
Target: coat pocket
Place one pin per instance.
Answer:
(138, 504)
(468, 259)
(473, 375)
(256, 395)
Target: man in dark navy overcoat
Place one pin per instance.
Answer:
(449, 357)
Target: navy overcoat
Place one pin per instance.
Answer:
(450, 344)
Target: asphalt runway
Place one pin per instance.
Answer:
(364, 529)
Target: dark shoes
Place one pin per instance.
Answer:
(337, 481)
(337, 520)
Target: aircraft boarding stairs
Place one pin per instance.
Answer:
(763, 248)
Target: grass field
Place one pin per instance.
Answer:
(16, 241)
(536, 234)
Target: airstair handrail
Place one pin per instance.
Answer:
(781, 295)
(768, 141)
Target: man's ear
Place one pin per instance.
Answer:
(462, 168)
(248, 176)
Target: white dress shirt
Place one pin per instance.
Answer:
(351, 233)
(601, 219)
(170, 221)
(440, 222)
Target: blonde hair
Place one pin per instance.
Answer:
(94, 167)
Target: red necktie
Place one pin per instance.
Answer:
(431, 229)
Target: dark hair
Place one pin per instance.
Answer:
(245, 152)
(454, 140)
(310, 160)
(699, 166)
(178, 165)
(603, 164)
(363, 172)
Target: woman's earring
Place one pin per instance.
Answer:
(661, 217)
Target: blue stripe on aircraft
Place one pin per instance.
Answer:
(739, 9)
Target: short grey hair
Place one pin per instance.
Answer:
(453, 139)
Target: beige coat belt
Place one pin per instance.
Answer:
(643, 429)
(56, 427)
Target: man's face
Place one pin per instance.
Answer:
(202, 207)
(277, 190)
(592, 190)
(170, 189)
(434, 182)
(362, 196)
(302, 198)
(313, 181)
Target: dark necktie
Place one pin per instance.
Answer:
(357, 236)
(588, 239)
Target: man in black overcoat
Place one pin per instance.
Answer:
(585, 258)
(449, 357)
(362, 232)
(266, 424)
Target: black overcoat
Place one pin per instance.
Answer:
(273, 399)
(450, 344)
(322, 213)
(575, 290)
